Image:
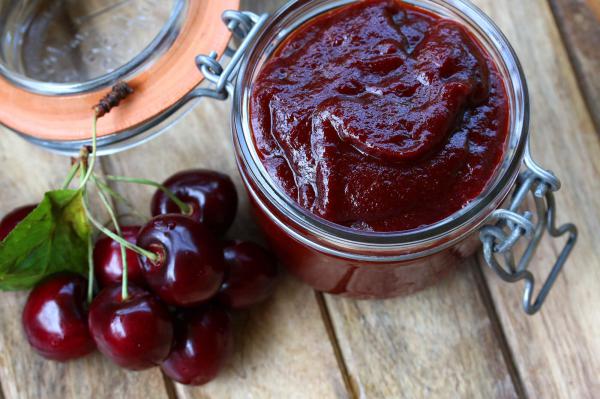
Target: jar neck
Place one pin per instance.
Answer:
(378, 250)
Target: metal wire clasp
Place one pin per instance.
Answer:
(512, 226)
(244, 25)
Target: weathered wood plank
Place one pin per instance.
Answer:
(260, 6)
(282, 348)
(436, 343)
(579, 23)
(557, 352)
(26, 172)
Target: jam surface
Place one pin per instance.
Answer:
(380, 116)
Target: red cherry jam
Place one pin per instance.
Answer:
(380, 116)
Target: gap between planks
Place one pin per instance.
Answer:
(490, 307)
(326, 318)
(576, 63)
(169, 386)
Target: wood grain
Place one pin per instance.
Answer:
(579, 23)
(437, 343)
(557, 352)
(282, 348)
(26, 173)
(260, 6)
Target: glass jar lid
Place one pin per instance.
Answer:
(57, 59)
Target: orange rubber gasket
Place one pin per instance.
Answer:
(166, 81)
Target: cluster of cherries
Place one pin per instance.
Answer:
(173, 308)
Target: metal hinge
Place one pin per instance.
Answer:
(512, 225)
(244, 25)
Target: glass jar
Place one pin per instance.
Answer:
(329, 257)
(340, 260)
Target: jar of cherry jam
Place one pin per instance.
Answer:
(381, 142)
(324, 142)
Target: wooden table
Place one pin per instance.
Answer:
(466, 337)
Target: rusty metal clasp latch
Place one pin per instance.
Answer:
(512, 225)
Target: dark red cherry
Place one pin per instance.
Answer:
(135, 333)
(55, 318)
(12, 219)
(211, 195)
(203, 344)
(190, 268)
(250, 275)
(108, 266)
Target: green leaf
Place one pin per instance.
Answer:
(52, 238)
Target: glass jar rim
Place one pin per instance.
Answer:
(280, 25)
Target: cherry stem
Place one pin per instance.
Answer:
(90, 292)
(141, 251)
(92, 163)
(88, 213)
(86, 164)
(185, 208)
(118, 197)
(90, 258)
(113, 217)
(71, 175)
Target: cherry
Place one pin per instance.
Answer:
(210, 194)
(189, 267)
(202, 345)
(108, 266)
(135, 333)
(12, 219)
(250, 276)
(55, 318)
